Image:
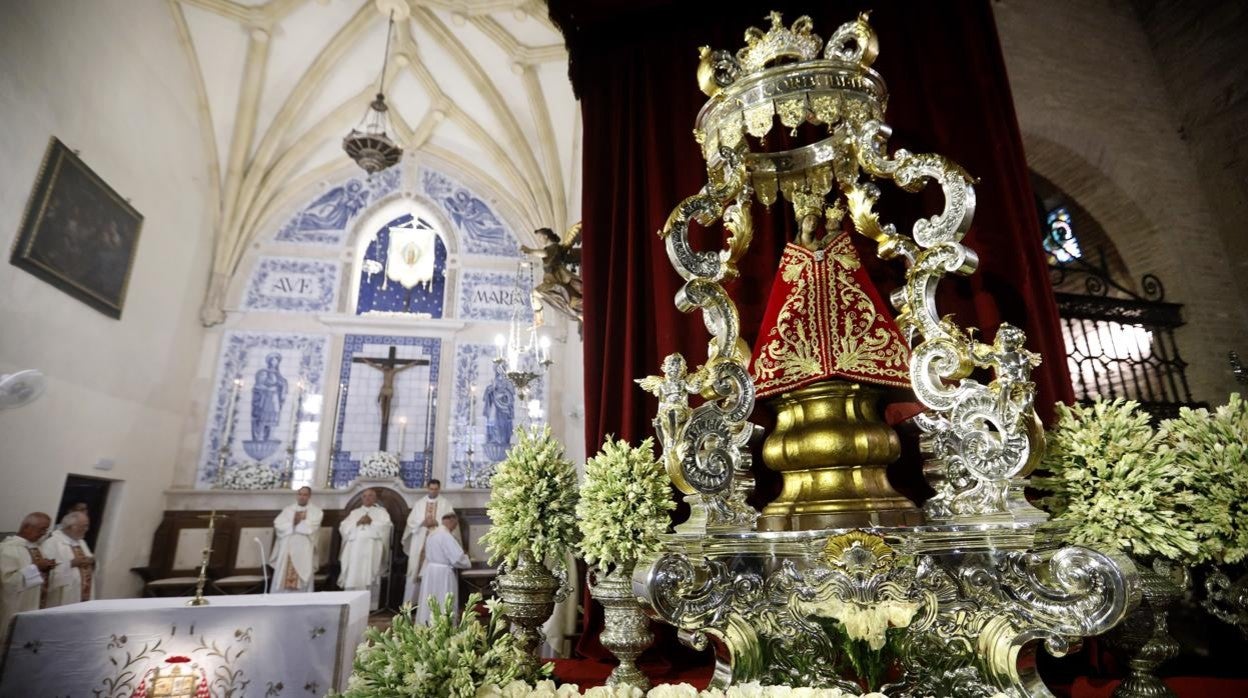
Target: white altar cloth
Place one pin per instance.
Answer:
(252, 645)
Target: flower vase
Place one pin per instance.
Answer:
(626, 631)
(528, 590)
(1145, 636)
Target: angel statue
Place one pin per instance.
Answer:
(673, 389)
(561, 269)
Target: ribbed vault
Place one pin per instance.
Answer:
(480, 84)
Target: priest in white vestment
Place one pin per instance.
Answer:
(22, 570)
(73, 578)
(443, 555)
(294, 552)
(365, 537)
(426, 516)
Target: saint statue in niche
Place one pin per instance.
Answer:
(267, 396)
(500, 411)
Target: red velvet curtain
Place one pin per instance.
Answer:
(633, 64)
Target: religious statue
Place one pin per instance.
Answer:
(500, 412)
(267, 396)
(673, 389)
(390, 367)
(561, 270)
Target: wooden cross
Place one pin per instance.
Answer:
(389, 367)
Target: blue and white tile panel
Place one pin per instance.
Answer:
(491, 295)
(484, 411)
(480, 229)
(293, 285)
(327, 218)
(263, 418)
(357, 430)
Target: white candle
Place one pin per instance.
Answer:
(294, 412)
(229, 413)
(498, 343)
(402, 433)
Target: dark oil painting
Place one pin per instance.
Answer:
(78, 234)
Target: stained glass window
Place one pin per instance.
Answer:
(1059, 239)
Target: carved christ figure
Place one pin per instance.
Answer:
(390, 367)
(386, 395)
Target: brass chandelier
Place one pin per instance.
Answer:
(368, 144)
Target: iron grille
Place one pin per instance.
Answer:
(1120, 343)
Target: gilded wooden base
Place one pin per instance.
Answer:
(832, 449)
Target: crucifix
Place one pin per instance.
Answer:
(389, 367)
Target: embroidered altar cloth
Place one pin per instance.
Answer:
(826, 320)
(252, 645)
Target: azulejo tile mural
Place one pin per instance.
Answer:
(491, 295)
(293, 285)
(404, 270)
(326, 219)
(481, 230)
(268, 390)
(485, 412)
(405, 367)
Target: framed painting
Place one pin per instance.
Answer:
(77, 233)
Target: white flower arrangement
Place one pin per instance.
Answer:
(1212, 451)
(380, 466)
(447, 657)
(623, 505)
(252, 476)
(532, 505)
(548, 689)
(868, 622)
(1114, 479)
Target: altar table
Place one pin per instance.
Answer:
(255, 645)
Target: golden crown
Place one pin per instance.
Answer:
(790, 73)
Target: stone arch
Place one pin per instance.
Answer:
(1124, 223)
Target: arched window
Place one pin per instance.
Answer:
(402, 267)
(1119, 341)
(1061, 241)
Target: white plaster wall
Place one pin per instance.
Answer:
(108, 78)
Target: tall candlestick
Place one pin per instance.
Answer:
(229, 412)
(294, 412)
(429, 419)
(402, 434)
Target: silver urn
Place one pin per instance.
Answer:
(626, 630)
(528, 590)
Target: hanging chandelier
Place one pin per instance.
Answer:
(523, 354)
(368, 144)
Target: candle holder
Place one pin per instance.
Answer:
(523, 355)
(329, 473)
(199, 599)
(288, 470)
(470, 481)
(224, 451)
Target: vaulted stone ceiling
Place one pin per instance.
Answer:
(481, 84)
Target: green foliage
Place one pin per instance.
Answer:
(623, 505)
(1112, 477)
(532, 506)
(1212, 451)
(444, 658)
